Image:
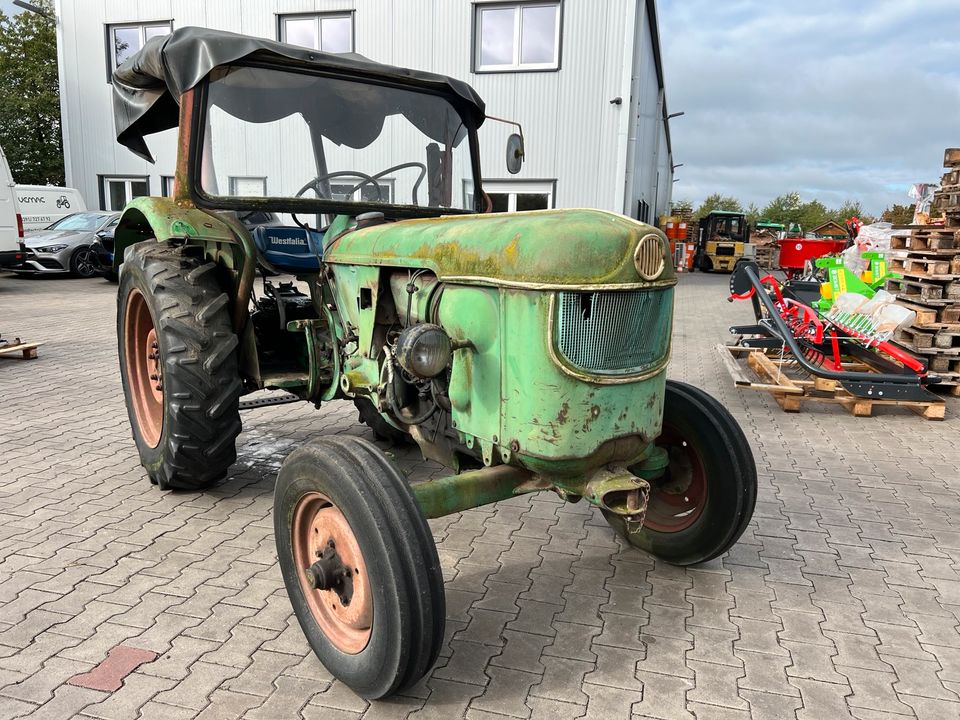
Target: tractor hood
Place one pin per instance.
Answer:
(539, 249)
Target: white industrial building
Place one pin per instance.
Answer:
(583, 77)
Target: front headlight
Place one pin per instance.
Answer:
(51, 248)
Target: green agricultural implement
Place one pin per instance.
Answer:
(527, 352)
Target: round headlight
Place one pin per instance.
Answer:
(424, 350)
(648, 257)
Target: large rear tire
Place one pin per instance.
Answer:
(178, 362)
(382, 430)
(343, 511)
(704, 502)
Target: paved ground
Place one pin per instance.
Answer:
(842, 599)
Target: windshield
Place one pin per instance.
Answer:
(80, 221)
(284, 134)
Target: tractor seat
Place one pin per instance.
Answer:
(289, 249)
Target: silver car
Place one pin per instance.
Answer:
(64, 247)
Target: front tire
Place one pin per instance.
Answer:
(703, 503)
(383, 633)
(83, 263)
(178, 362)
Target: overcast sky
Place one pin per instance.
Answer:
(841, 99)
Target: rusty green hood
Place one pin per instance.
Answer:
(559, 248)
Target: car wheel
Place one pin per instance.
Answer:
(83, 263)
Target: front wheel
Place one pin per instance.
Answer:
(83, 262)
(702, 504)
(359, 565)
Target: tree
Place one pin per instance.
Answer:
(30, 97)
(716, 201)
(752, 213)
(682, 206)
(898, 214)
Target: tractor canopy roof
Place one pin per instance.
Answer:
(148, 86)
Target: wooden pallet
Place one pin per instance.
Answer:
(914, 338)
(27, 351)
(951, 158)
(925, 291)
(935, 268)
(946, 317)
(924, 237)
(790, 393)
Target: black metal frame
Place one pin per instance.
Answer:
(890, 381)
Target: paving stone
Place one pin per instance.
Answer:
(716, 685)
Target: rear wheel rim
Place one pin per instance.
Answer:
(677, 500)
(144, 368)
(316, 523)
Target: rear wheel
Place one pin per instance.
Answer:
(700, 507)
(359, 565)
(178, 363)
(382, 430)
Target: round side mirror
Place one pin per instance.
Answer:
(514, 153)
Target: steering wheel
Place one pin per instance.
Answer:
(366, 180)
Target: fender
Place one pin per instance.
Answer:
(224, 241)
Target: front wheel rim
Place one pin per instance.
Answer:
(85, 266)
(677, 500)
(344, 615)
(141, 351)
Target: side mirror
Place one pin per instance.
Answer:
(514, 153)
(101, 234)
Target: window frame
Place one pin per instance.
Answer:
(109, 48)
(348, 13)
(512, 188)
(475, 45)
(232, 184)
(166, 186)
(102, 181)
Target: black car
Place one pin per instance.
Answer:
(102, 249)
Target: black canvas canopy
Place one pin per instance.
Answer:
(148, 86)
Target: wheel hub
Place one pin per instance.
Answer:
(333, 575)
(143, 368)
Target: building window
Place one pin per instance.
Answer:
(248, 186)
(513, 196)
(116, 192)
(348, 190)
(125, 40)
(517, 36)
(166, 185)
(329, 32)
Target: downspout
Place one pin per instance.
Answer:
(627, 132)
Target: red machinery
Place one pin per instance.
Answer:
(785, 321)
(794, 252)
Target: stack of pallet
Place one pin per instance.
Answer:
(928, 258)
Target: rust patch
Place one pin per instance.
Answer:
(109, 675)
(563, 413)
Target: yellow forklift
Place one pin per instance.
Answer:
(724, 238)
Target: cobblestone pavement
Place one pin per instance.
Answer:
(841, 600)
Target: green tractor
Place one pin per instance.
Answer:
(527, 352)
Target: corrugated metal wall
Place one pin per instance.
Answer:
(574, 134)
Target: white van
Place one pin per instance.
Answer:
(11, 224)
(42, 205)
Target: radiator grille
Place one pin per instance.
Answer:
(616, 332)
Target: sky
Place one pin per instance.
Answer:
(838, 100)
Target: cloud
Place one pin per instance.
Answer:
(853, 100)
